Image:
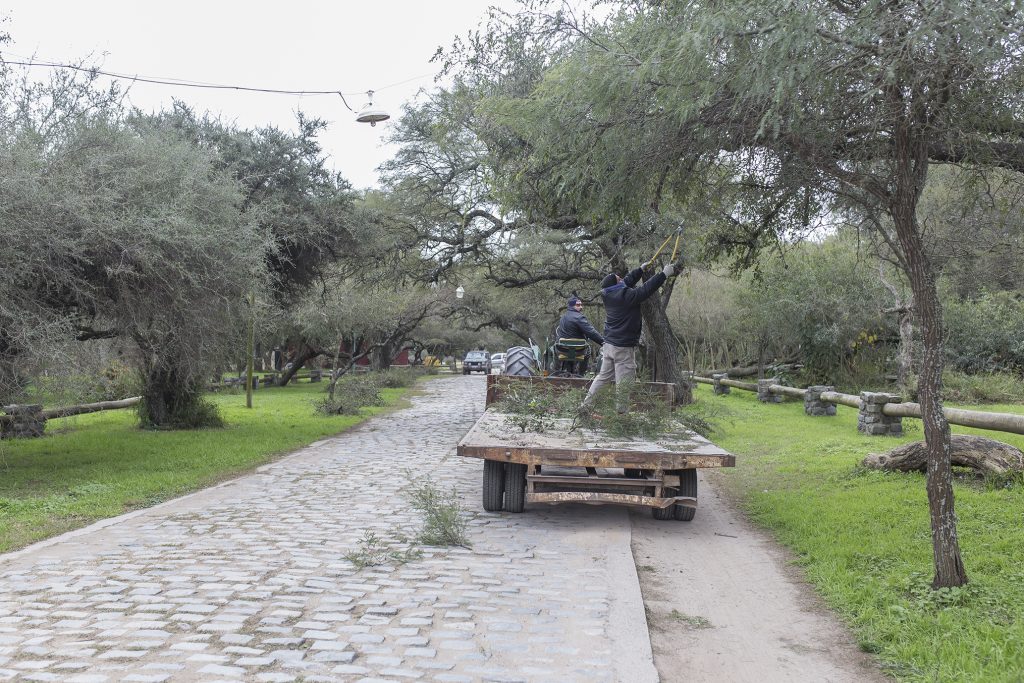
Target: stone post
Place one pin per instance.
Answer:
(720, 388)
(813, 405)
(28, 421)
(763, 391)
(315, 375)
(872, 421)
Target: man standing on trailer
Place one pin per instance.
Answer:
(622, 326)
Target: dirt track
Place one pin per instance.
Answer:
(723, 604)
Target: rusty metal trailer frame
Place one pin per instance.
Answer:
(559, 466)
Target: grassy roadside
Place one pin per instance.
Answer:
(863, 538)
(100, 465)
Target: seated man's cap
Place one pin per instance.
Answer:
(573, 300)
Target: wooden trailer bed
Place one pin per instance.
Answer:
(559, 465)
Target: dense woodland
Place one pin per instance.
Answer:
(846, 176)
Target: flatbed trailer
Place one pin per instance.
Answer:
(586, 466)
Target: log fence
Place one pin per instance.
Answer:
(879, 413)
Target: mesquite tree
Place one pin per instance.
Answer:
(844, 103)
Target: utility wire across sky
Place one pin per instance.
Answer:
(197, 84)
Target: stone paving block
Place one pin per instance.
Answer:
(251, 577)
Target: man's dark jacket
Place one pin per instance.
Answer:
(622, 307)
(574, 325)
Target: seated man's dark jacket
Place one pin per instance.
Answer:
(574, 325)
(622, 307)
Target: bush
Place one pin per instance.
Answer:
(444, 520)
(986, 387)
(351, 393)
(985, 334)
(396, 378)
(192, 412)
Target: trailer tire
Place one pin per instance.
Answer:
(494, 485)
(515, 487)
(687, 487)
(662, 513)
(519, 361)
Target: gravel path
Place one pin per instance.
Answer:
(248, 581)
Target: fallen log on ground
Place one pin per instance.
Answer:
(987, 456)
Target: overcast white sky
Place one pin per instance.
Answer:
(342, 45)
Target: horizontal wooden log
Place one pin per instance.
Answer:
(783, 390)
(68, 411)
(841, 399)
(751, 370)
(999, 422)
(746, 386)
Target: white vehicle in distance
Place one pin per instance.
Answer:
(498, 363)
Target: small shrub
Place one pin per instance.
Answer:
(194, 412)
(396, 378)
(373, 551)
(986, 387)
(350, 394)
(444, 520)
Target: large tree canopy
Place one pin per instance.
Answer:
(762, 118)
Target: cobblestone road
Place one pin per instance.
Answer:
(248, 581)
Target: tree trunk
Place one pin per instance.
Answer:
(305, 354)
(382, 355)
(905, 355)
(911, 160)
(173, 399)
(664, 349)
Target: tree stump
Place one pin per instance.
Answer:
(987, 456)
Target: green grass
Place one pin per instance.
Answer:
(95, 466)
(863, 538)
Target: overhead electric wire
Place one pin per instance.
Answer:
(196, 84)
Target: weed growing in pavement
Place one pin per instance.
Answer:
(374, 551)
(692, 622)
(444, 519)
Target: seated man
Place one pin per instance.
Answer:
(574, 325)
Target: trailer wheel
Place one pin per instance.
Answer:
(519, 361)
(662, 513)
(515, 487)
(687, 487)
(630, 473)
(494, 484)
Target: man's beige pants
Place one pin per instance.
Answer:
(618, 362)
